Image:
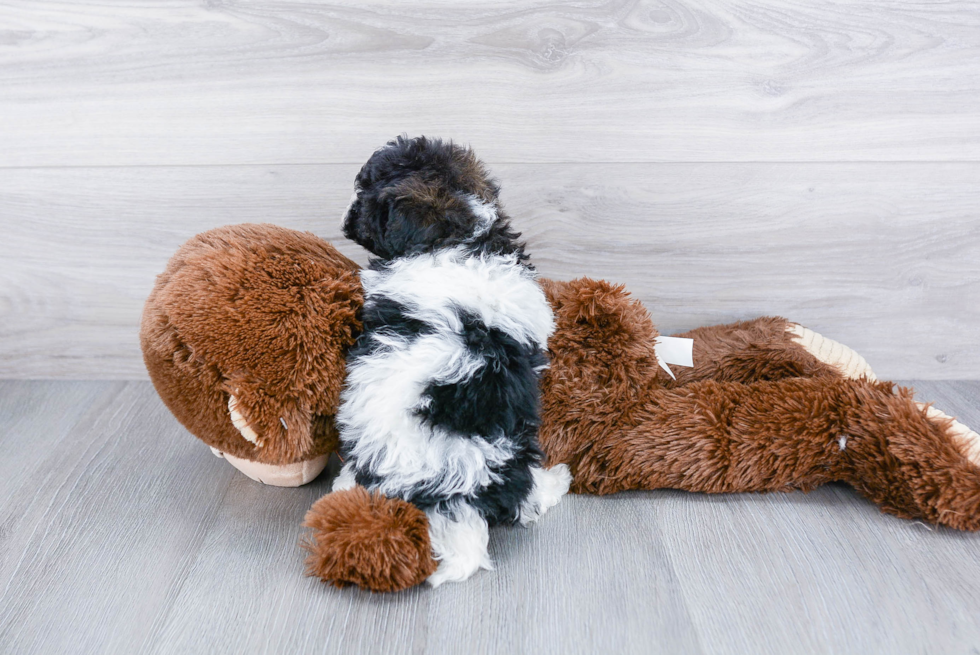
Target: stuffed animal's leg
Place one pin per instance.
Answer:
(965, 438)
(844, 360)
(387, 544)
(459, 544)
(780, 435)
(768, 348)
(610, 337)
(914, 461)
(708, 436)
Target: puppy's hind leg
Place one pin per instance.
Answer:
(549, 486)
(459, 544)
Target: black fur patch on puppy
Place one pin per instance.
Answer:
(500, 397)
(417, 195)
(500, 502)
(384, 316)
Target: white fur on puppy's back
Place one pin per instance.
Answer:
(392, 446)
(384, 433)
(501, 293)
(379, 418)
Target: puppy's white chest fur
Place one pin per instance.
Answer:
(495, 288)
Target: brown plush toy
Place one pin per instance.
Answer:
(246, 333)
(255, 320)
(258, 318)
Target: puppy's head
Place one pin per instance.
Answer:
(417, 195)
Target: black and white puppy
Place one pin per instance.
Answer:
(441, 404)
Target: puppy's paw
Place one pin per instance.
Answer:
(241, 423)
(549, 486)
(459, 544)
(452, 571)
(345, 479)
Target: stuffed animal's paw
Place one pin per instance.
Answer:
(368, 540)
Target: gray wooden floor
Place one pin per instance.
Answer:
(120, 533)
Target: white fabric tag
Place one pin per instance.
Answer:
(674, 350)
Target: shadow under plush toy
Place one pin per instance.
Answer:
(246, 337)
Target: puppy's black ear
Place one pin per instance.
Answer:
(365, 223)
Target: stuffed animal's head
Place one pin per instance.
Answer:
(418, 195)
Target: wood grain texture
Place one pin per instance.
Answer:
(882, 257)
(274, 82)
(120, 532)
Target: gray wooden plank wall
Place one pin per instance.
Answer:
(723, 159)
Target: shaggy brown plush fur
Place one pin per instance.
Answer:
(266, 314)
(376, 543)
(609, 415)
(747, 351)
(269, 314)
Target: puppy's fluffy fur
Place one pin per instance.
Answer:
(441, 401)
